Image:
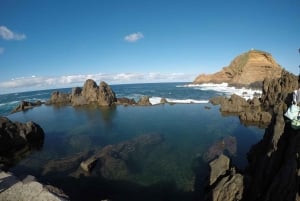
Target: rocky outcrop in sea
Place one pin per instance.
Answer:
(274, 163)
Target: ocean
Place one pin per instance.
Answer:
(193, 131)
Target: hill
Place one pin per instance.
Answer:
(246, 69)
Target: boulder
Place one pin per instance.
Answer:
(218, 168)
(144, 101)
(163, 100)
(15, 136)
(12, 189)
(224, 182)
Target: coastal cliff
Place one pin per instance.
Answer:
(249, 68)
(274, 165)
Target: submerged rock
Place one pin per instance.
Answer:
(228, 143)
(117, 161)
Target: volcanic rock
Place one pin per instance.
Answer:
(15, 136)
(246, 69)
(25, 105)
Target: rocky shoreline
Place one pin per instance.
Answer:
(273, 170)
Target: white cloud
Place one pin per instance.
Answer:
(1, 50)
(35, 82)
(7, 34)
(134, 37)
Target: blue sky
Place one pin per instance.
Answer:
(56, 43)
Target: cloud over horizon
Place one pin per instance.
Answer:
(7, 34)
(134, 37)
(39, 83)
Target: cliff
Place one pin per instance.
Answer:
(248, 68)
(273, 173)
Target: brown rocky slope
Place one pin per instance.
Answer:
(248, 68)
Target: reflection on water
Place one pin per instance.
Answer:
(177, 167)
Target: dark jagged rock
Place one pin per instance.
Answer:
(25, 105)
(273, 173)
(279, 90)
(15, 136)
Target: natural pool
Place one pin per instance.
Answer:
(173, 169)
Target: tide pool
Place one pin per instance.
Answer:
(175, 168)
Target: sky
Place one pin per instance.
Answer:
(61, 43)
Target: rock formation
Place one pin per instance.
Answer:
(14, 136)
(25, 105)
(249, 112)
(249, 68)
(91, 93)
(273, 173)
(12, 189)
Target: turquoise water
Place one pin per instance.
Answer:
(188, 130)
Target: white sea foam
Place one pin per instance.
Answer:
(156, 100)
(224, 89)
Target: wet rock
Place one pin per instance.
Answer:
(144, 101)
(126, 101)
(25, 105)
(13, 189)
(14, 136)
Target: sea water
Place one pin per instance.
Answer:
(174, 170)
